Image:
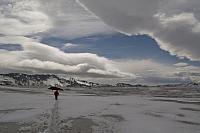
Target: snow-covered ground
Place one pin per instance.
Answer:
(35, 111)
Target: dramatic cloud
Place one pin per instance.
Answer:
(36, 56)
(174, 24)
(35, 18)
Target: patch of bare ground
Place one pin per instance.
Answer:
(191, 109)
(153, 114)
(188, 122)
(117, 118)
(177, 101)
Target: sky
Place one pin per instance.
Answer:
(109, 41)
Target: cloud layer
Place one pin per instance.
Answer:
(64, 19)
(39, 57)
(36, 57)
(70, 20)
(174, 24)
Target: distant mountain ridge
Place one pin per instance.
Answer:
(44, 80)
(35, 80)
(41, 80)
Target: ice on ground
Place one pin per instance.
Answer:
(75, 112)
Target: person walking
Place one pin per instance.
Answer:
(56, 94)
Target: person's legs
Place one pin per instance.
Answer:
(56, 97)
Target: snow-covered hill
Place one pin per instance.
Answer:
(39, 80)
(36, 80)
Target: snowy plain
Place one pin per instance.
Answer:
(34, 110)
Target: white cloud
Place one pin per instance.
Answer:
(181, 64)
(68, 46)
(22, 18)
(40, 57)
(174, 24)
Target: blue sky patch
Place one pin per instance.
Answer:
(118, 46)
(11, 47)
